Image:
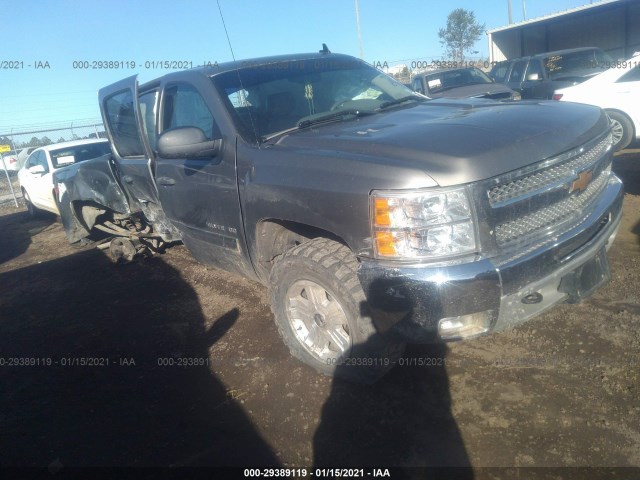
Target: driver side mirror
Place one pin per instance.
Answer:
(187, 142)
(37, 169)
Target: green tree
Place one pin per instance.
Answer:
(403, 75)
(45, 141)
(461, 33)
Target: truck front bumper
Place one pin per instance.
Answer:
(425, 303)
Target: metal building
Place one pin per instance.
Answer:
(612, 25)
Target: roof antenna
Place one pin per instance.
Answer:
(325, 49)
(253, 125)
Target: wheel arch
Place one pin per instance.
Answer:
(275, 236)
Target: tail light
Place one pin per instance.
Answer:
(557, 96)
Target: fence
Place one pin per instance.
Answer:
(38, 137)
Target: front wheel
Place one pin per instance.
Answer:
(621, 129)
(322, 314)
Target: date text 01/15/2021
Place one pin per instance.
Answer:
(67, 362)
(318, 472)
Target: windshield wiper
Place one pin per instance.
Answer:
(336, 115)
(400, 100)
(328, 117)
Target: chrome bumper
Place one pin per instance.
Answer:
(413, 299)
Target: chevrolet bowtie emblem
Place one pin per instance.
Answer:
(581, 183)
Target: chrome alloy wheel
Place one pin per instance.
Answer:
(617, 131)
(318, 320)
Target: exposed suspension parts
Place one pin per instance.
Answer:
(131, 237)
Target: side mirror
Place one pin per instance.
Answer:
(533, 77)
(37, 169)
(187, 142)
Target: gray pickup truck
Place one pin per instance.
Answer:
(374, 216)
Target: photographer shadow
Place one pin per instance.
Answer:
(403, 420)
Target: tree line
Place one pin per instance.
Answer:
(42, 141)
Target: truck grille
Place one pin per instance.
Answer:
(550, 177)
(555, 215)
(533, 205)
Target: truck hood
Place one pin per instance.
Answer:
(454, 142)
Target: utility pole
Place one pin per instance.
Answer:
(359, 35)
(524, 9)
(510, 16)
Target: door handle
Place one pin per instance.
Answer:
(127, 179)
(166, 181)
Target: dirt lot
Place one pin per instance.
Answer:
(561, 390)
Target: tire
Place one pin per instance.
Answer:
(621, 128)
(322, 314)
(31, 209)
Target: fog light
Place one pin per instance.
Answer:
(465, 326)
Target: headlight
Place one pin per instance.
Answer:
(422, 225)
(517, 96)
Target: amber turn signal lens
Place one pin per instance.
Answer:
(385, 244)
(382, 212)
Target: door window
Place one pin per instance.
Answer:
(148, 106)
(38, 158)
(417, 85)
(517, 72)
(499, 72)
(121, 117)
(534, 71)
(31, 160)
(185, 107)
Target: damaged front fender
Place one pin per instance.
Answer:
(88, 184)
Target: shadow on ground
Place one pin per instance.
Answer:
(403, 420)
(16, 230)
(127, 383)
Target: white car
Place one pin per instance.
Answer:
(36, 176)
(617, 91)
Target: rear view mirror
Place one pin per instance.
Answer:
(187, 142)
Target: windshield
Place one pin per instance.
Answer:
(576, 62)
(447, 79)
(271, 98)
(78, 153)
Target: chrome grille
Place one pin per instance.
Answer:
(561, 213)
(550, 177)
